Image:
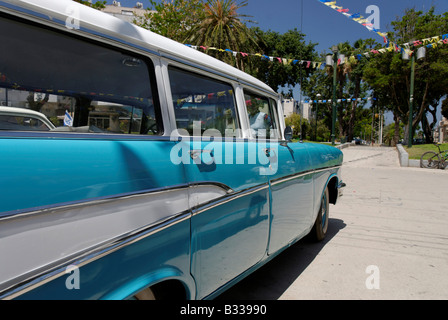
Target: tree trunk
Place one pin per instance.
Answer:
(406, 134)
(422, 109)
(351, 122)
(396, 131)
(427, 130)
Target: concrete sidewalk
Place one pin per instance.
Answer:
(392, 223)
(387, 239)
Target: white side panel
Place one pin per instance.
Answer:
(201, 194)
(39, 239)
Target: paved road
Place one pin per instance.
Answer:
(387, 239)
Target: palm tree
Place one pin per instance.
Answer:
(224, 28)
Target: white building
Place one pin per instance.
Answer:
(125, 13)
(442, 132)
(288, 107)
(307, 113)
(291, 106)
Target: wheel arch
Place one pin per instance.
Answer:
(166, 284)
(171, 289)
(332, 185)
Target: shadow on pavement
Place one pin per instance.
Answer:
(273, 279)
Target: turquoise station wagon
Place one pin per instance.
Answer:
(168, 174)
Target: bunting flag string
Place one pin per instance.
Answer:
(355, 17)
(285, 61)
(432, 42)
(338, 100)
(409, 48)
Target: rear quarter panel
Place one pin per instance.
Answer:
(65, 199)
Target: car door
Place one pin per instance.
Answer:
(291, 195)
(228, 195)
(289, 174)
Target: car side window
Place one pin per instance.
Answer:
(262, 114)
(78, 85)
(202, 103)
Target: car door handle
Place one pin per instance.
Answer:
(194, 154)
(267, 152)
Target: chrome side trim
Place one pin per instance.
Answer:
(81, 136)
(328, 168)
(50, 272)
(235, 195)
(85, 202)
(223, 186)
(38, 279)
(90, 201)
(109, 224)
(291, 177)
(227, 198)
(300, 174)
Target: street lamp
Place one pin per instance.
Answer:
(421, 53)
(317, 107)
(334, 63)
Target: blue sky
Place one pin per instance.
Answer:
(323, 25)
(320, 23)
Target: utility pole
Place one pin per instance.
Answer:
(333, 123)
(373, 120)
(411, 102)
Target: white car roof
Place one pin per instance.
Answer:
(12, 111)
(95, 21)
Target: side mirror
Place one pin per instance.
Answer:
(288, 133)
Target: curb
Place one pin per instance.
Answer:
(345, 145)
(404, 158)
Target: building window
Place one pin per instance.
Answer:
(127, 12)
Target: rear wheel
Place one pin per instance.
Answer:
(320, 227)
(165, 290)
(429, 159)
(145, 294)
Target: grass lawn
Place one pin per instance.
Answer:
(417, 150)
